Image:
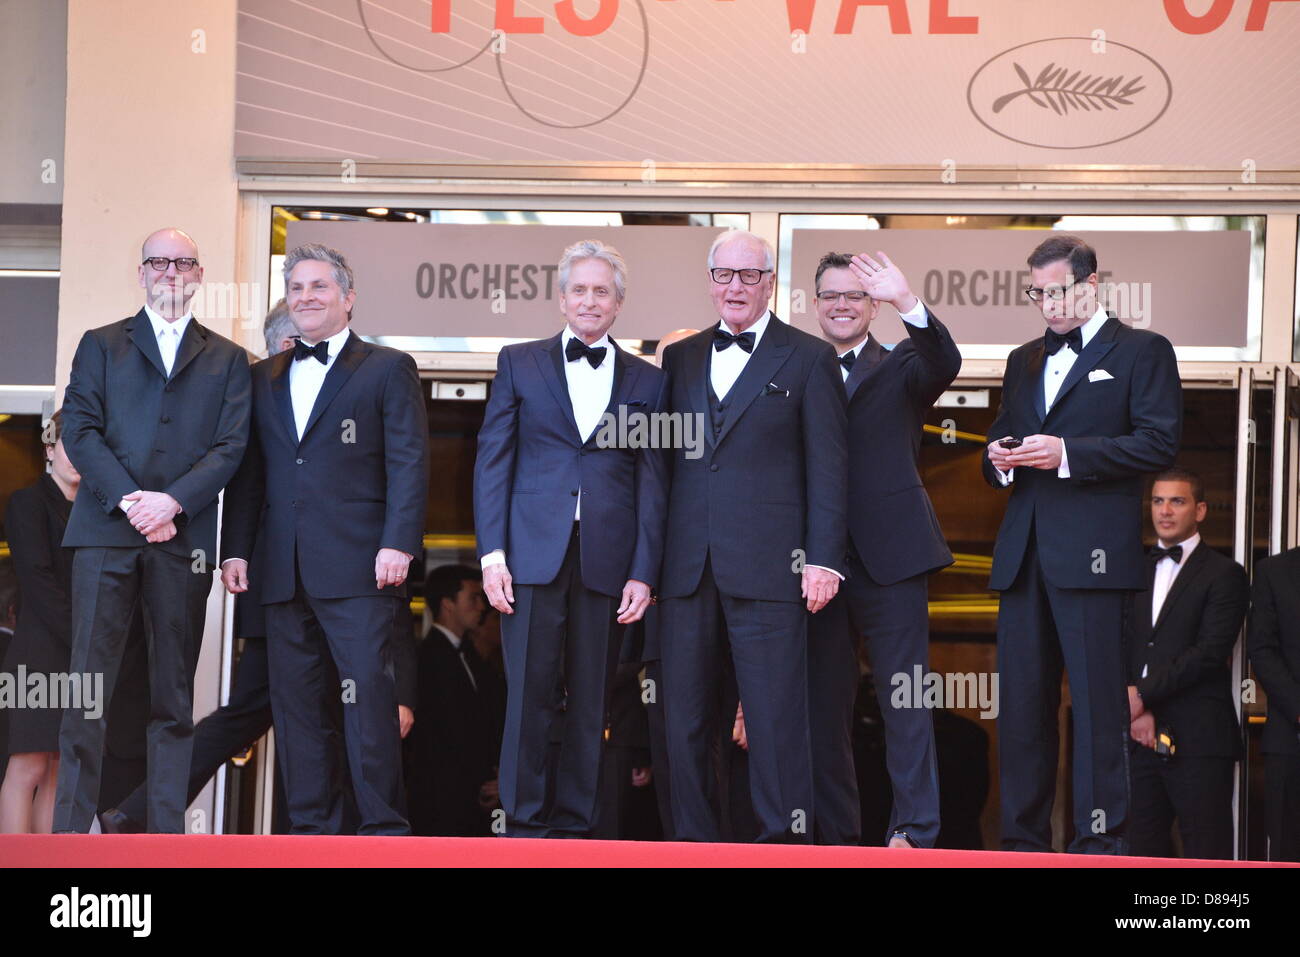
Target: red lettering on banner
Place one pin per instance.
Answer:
(800, 13)
(580, 27)
(509, 22)
(898, 22)
(1258, 11)
(941, 22)
(1176, 10)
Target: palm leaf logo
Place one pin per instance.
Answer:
(1058, 89)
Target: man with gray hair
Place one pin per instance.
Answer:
(756, 531)
(278, 330)
(570, 537)
(328, 508)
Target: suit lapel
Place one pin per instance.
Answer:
(192, 344)
(1186, 575)
(352, 354)
(280, 393)
(625, 376)
(550, 361)
(1034, 379)
(1087, 360)
(769, 355)
(142, 334)
(869, 359)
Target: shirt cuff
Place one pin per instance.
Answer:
(825, 569)
(1063, 470)
(126, 505)
(235, 559)
(495, 557)
(1007, 477)
(917, 315)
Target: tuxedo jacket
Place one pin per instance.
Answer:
(356, 482)
(769, 492)
(1188, 685)
(1274, 645)
(127, 425)
(1120, 412)
(891, 520)
(532, 464)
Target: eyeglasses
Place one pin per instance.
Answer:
(160, 263)
(750, 277)
(829, 296)
(1036, 293)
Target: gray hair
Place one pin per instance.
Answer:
(594, 249)
(320, 253)
(278, 327)
(732, 235)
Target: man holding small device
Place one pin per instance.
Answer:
(1085, 411)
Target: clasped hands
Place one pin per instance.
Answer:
(1036, 452)
(153, 515)
(1142, 723)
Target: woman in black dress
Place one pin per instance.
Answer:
(35, 521)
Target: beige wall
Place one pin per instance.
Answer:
(148, 144)
(133, 164)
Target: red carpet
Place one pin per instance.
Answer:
(149, 850)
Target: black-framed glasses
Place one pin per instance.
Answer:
(750, 277)
(829, 296)
(1037, 293)
(160, 263)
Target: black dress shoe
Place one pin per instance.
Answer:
(114, 821)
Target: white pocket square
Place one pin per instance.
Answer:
(1099, 375)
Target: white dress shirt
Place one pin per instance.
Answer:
(306, 376)
(1166, 571)
(589, 394)
(168, 332)
(726, 366)
(916, 316)
(455, 643)
(1055, 369)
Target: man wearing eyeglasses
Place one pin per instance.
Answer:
(156, 418)
(1086, 411)
(894, 543)
(755, 541)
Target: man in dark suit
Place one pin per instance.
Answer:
(576, 511)
(1274, 643)
(894, 543)
(1094, 405)
(329, 507)
(456, 742)
(156, 418)
(1181, 630)
(755, 540)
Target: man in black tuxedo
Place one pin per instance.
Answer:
(894, 543)
(755, 540)
(1181, 630)
(156, 419)
(569, 518)
(1274, 643)
(456, 742)
(329, 507)
(1094, 404)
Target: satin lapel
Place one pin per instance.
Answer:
(1034, 380)
(141, 330)
(770, 354)
(192, 343)
(353, 353)
(625, 376)
(550, 361)
(280, 393)
(1186, 575)
(1092, 353)
(869, 359)
(698, 366)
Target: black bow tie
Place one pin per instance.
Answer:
(722, 338)
(320, 350)
(576, 349)
(1052, 341)
(848, 359)
(1157, 553)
